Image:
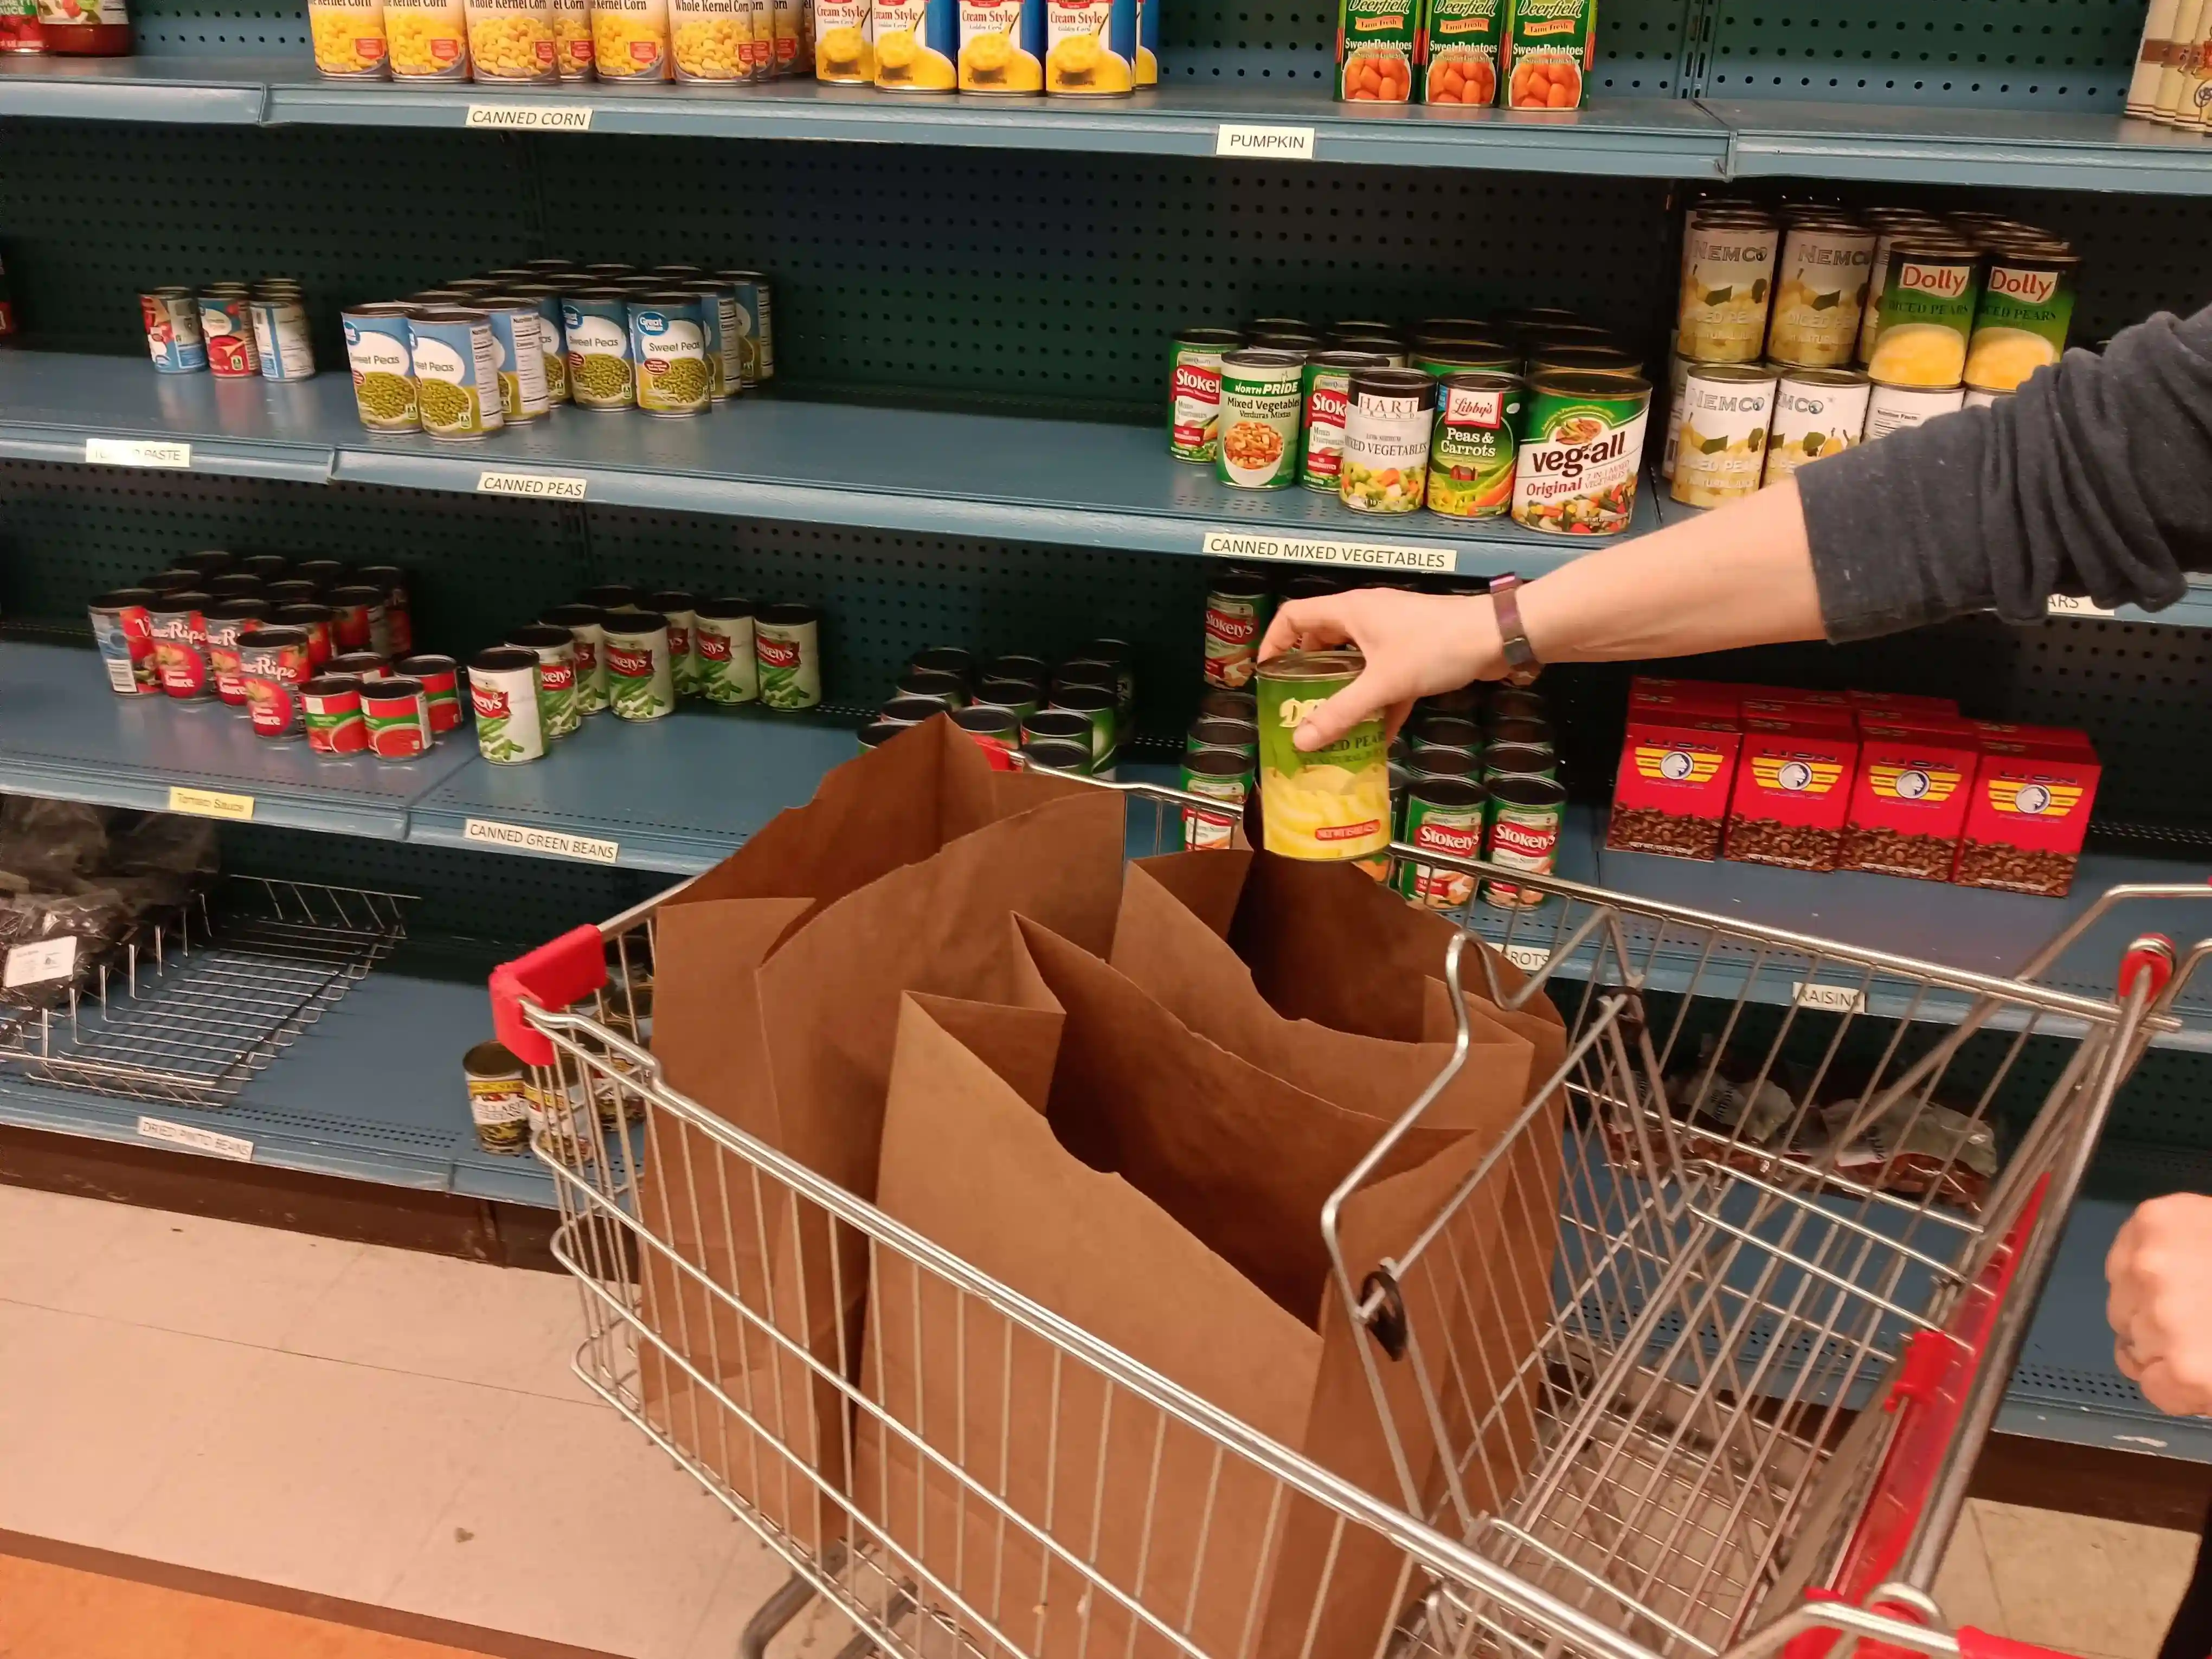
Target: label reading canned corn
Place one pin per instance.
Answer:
(914, 43)
(1577, 470)
(348, 38)
(1820, 295)
(512, 40)
(428, 39)
(2020, 325)
(629, 39)
(1728, 271)
(1471, 455)
(1001, 45)
(713, 40)
(1464, 42)
(1090, 47)
(1333, 803)
(844, 46)
(1927, 316)
(1813, 415)
(1720, 451)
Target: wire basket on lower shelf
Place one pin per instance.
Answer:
(188, 1008)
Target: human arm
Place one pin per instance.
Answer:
(2160, 1270)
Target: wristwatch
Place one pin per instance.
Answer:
(1521, 664)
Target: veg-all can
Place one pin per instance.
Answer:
(174, 337)
(1002, 45)
(1326, 387)
(1894, 408)
(787, 644)
(586, 629)
(123, 629)
(349, 39)
(2019, 326)
(1728, 276)
(557, 676)
(1465, 38)
(629, 39)
(503, 690)
(1549, 44)
(499, 1098)
(176, 624)
(641, 682)
(595, 324)
(1444, 817)
(455, 372)
(1091, 48)
(1721, 448)
(1472, 445)
(428, 39)
(1237, 608)
(722, 643)
(1581, 444)
(756, 323)
(1222, 775)
(518, 356)
(1525, 819)
(1335, 802)
(1821, 295)
(331, 706)
(668, 345)
(916, 42)
(1259, 406)
(398, 716)
(1379, 44)
(1927, 314)
(1195, 391)
(227, 323)
(379, 351)
(273, 662)
(845, 42)
(441, 680)
(1386, 440)
(1817, 412)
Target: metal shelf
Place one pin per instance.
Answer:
(1084, 483)
(214, 90)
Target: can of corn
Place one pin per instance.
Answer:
(1091, 48)
(572, 49)
(455, 372)
(512, 41)
(428, 39)
(519, 355)
(790, 33)
(915, 41)
(629, 39)
(348, 36)
(595, 328)
(845, 42)
(668, 348)
(713, 40)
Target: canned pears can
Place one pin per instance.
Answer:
(1817, 412)
(1821, 295)
(1332, 804)
(503, 691)
(1720, 450)
(1927, 315)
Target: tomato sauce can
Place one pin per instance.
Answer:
(123, 632)
(174, 337)
(1582, 443)
(362, 665)
(316, 622)
(390, 581)
(1472, 445)
(556, 676)
(331, 707)
(1386, 440)
(398, 716)
(227, 324)
(176, 624)
(441, 679)
(358, 620)
(503, 691)
(273, 664)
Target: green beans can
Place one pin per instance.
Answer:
(556, 676)
(681, 609)
(787, 644)
(1445, 817)
(595, 326)
(1219, 774)
(1473, 444)
(503, 690)
(1238, 605)
(722, 640)
(641, 681)
(1195, 391)
(455, 372)
(1096, 706)
(586, 627)
(379, 351)
(668, 351)
(1327, 388)
(755, 319)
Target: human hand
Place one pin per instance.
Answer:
(1416, 645)
(2160, 1270)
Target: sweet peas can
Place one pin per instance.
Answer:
(455, 372)
(668, 350)
(379, 352)
(173, 338)
(595, 325)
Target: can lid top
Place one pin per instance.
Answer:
(1448, 792)
(503, 659)
(635, 622)
(1528, 791)
(290, 613)
(356, 594)
(1395, 383)
(393, 685)
(325, 685)
(1217, 764)
(985, 717)
(1483, 379)
(1059, 754)
(1263, 357)
(1737, 372)
(1585, 383)
(787, 616)
(1338, 663)
(428, 663)
(491, 1060)
(1347, 357)
(728, 608)
(188, 598)
(1225, 725)
(272, 638)
(447, 314)
(541, 633)
(116, 598)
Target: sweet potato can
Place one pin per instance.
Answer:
(1462, 40)
(1549, 44)
(1378, 47)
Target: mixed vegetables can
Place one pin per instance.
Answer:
(1326, 389)
(1195, 391)
(1260, 408)
(1474, 443)
(1582, 444)
(1386, 440)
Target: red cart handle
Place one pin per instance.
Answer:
(553, 976)
(2150, 955)
(1980, 1644)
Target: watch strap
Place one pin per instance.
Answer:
(1522, 666)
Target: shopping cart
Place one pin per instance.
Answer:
(1733, 1410)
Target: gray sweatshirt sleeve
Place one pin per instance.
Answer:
(2096, 478)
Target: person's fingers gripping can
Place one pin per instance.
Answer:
(332, 711)
(441, 679)
(123, 632)
(556, 676)
(585, 626)
(640, 680)
(503, 691)
(1333, 803)
(788, 644)
(1443, 816)
(397, 714)
(1522, 833)
(1219, 774)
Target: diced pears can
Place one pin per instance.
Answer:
(1720, 452)
(1334, 803)
(1817, 412)
(1728, 277)
(1821, 295)
(2020, 325)
(503, 691)
(1927, 315)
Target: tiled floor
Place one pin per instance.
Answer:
(403, 1430)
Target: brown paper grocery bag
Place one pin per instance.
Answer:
(1164, 1196)
(776, 976)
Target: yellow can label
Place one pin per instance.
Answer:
(348, 37)
(428, 39)
(1728, 276)
(629, 39)
(512, 40)
(1333, 803)
(845, 45)
(713, 39)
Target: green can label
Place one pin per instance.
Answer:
(1321, 453)
(2028, 305)
(1547, 53)
(1582, 445)
(729, 670)
(1471, 450)
(1335, 802)
(1202, 829)
(1927, 318)
(789, 653)
(1465, 37)
(1450, 829)
(1259, 406)
(639, 685)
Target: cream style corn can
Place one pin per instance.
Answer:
(845, 42)
(1001, 45)
(513, 42)
(1333, 803)
(428, 39)
(713, 39)
(350, 42)
(629, 39)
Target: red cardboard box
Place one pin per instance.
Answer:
(1909, 805)
(1793, 708)
(1901, 700)
(2028, 813)
(1793, 790)
(2002, 736)
(1671, 794)
(1661, 698)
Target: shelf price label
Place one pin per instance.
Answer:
(531, 117)
(199, 1140)
(2074, 604)
(1529, 958)
(211, 804)
(553, 843)
(1318, 549)
(1830, 999)
(1277, 143)
(38, 964)
(538, 486)
(137, 452)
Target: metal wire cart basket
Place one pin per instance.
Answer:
(1729, 1406)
